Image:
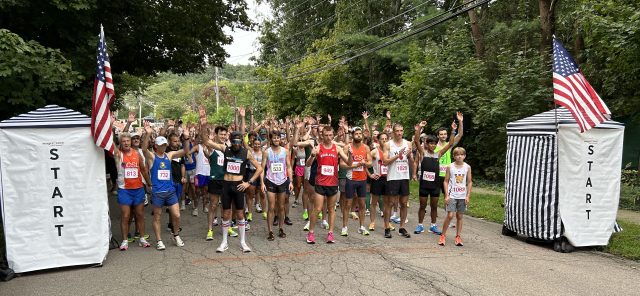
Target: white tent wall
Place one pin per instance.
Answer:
(589, 171)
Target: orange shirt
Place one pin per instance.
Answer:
(129, 176)
(358, 173)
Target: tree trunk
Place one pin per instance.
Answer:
(548, 26)
(476, 31)
(578, 43)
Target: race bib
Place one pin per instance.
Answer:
(220, 159)
(277, 168)
(302, 161)
(164, 175)
(206, 160)
(131, 173)
(402, 167)
(443, 168)
(358, 169)
(459, 189)
(233, 167)
(383, 169)
(327, 170)
(428, 176)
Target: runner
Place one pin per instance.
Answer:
(356, 180)
(379, 183)
(216, 178)
(445, 158)
(189, 188)
(235, 165)
(275, 163)
(203, 169)
(397, 156)
(456, 197)
(429, 182)
(163, 191)
(327, 179)
(252, 192)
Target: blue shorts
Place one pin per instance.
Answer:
(250, 175)
(353, 187)
(164, 198)
(202, 181)
(178, 188)
(131, 197)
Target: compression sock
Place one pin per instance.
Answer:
(225, 231)
(241, 225)
(368, 200)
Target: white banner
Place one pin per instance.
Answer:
(589, 183)
(54, 197)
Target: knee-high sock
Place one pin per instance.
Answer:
(225, 231)
(241, 225)
(368, 200)
(380, 202)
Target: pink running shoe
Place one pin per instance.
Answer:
(310, 238)
(330, 238)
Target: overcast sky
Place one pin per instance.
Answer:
(244, 42)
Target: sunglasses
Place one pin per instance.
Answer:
(236, 142)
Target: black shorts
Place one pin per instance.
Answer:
(379, 187)
(356, 187)
(215, 187)
(312, 180)
(426, 192)
(326, 190)
(398, 188)
(369, 180)
(230, 193)
(273, 188)
(441, 183)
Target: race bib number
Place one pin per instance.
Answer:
(277, 168)
(220, 159)
(131, 173)
(402, 167)
(383, 169)
(233, 167)
(428, 176)
(206, 160)
(302, 161)
(459, 189)
(327, 170)
(164, 175)
(443, 168)
(358, 169)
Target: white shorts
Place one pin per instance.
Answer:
(307, 172)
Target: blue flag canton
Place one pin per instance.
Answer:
(102, 57)
(563, 63)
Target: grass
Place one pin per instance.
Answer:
(627, 195)
(626, 243)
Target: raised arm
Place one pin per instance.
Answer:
(460, 117)
(296, 131)
(242, 123)
(205, 140)
(116, 151)
(416, 137)
(365, 115)
(143, 169)
(132, 118)
(145, 142)
(185, 145)
(451, 143)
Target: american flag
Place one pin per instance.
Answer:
(574, 92)
(102, 98)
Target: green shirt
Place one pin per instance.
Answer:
(217, 168)
(445, 160)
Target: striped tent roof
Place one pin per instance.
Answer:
(50, 116)
(545, 123)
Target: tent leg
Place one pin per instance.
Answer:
(507, 232)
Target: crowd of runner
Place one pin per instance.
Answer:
(257, 166)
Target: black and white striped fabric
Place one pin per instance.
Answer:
(50, 116)
(531, 174)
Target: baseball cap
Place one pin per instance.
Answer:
(134, 135)
(161, 141)
(356, 128)
(263, 131)
(423, 135)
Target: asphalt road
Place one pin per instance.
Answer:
(488, 264)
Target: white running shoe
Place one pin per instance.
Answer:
(146, 200)
(160, 246)
(124, 245)
(306, 226)
(258, 208)
(206, 209)
(246, 210)
(325, 224)
(178, 241)
(182, 205)
(215, 221)
(195, 212)
(406, 220)
(244, 248)
(143, 243)
(223, 247)
(395, 216)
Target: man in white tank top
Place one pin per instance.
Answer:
(396, 155)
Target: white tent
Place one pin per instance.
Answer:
(564, 185)
(54, 195)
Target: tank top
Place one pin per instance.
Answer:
(357, 173)
(161, 174)
(458, 181)
(144, 160)
(129, 176)
(258, 158)
(235, 162)
(276, 166)
(445, 160)
(378, 167)
(399, 169)
(327, 172)
(189, 166)
(202, 163)
(216, 163)
(429, 167)
(301, 156)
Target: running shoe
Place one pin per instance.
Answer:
(270, 236)
(397, 221)
(458, 241)
(419, 230)
(441, 241)
(143, 243)
(124, 245)
(404, 233)
(178, 241)
(434, 229)
(391, 227)
(344, 232)
(179, 230)
(195, 212)
(325, 224)
(129, 238)
(135, 235)
(357, 209)
(232, 233)
(258, 208)
(281, 233)
(244, 247)
(160, 246)
(146, 200)
(247, 227)
(367, 213)
(264, 215)
(215, 221)
(372, 226)
(295, 204)
(354, 215)
(182, 206)
(310, 238)
(406, 220)
(381, 213)
(275, 221)
(337, 204)
(249, 217)
(246, 210)
(234, 225)
(407, 204)
(363, 231)
(330, 237)
(394, 216)
(387, 233)
(320, 215)
(206, 209)
(209, 235)
(223, 247)
(452, 225)
(287, 221)
(306, 226)
(188, 201)
(169, 227)
(305, 216)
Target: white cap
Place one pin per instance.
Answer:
(161, 141)
(134, 135)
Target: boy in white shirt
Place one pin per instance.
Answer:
(456, 196)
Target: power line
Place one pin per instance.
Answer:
(244, 81)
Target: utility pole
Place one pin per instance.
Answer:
(140, 114)
(217, 92)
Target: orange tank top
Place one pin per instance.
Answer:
(130, 168)
(358, 173)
